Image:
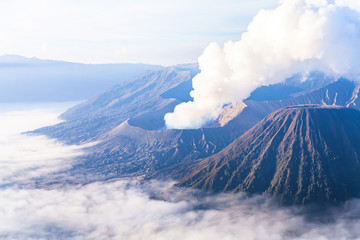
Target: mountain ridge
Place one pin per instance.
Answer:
(292, 154)
(127, 125)
(36, 80)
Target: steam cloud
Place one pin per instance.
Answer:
(297, 36)
(130, 210)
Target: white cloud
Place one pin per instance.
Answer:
(353, 4)
(297, 36)
(23, 157)
(123, 210)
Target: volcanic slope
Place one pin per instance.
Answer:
(299, 154)
(127, 123)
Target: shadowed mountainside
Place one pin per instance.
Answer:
(299, 154)
(138, 100)
(127, 125)
(128, 150)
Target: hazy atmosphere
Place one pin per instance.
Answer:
(180, 120)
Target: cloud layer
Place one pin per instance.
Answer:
(297, 36)
(23, 157)
(125, 209)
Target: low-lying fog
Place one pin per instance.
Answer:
(127, 209)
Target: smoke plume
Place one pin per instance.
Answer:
(298, 36)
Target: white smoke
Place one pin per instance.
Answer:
(297, 36)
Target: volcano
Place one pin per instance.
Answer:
(298, 154)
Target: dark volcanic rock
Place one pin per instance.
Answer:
(129, 151)
(127, 124)
(299, 154)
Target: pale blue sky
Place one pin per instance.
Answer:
(157, 31)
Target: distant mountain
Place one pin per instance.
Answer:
(299, 154)
(31, 79)
(251, 111)
(143, 101)
(297, 85)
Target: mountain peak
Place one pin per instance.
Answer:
(300, 154)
